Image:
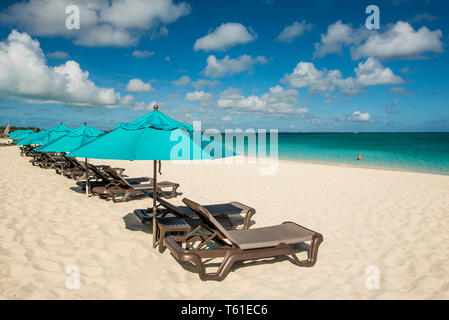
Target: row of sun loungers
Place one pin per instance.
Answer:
(193, 233)
(104, 181)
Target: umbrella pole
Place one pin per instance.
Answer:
(87, 179)
(154, 201)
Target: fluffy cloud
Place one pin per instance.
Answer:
(137, 85)
(204, 98)
(224, 37)
(277, 101)
(162, 32)
(372, 73)
(201, 83)
(355, 116)
(358, 116)
(369, 73)
(103, 23)
(293, 31)
(398, 41)
(217, 68)
(142, 53)
(58, 55)
(26, 76)
(338, 35)
(183, 81)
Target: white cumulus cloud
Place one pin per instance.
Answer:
(337, 36)
(371, 73)
(277, 101)
(368, 73)
(217, 68)
(204, 98)
(26, 76)
(358, 116)
(201, 83)
(137, 85)
(181, 82)
(142, 53)
(400, 42)
(293, 31)
(224, 37)
(58, 55)
(102, 23)
(396, 41)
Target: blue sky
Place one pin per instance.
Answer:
(289, 65)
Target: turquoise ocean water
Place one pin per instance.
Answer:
(423, 152)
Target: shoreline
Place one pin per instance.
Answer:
(340, 164)
(350, 165)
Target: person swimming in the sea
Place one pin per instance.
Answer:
(359, 157)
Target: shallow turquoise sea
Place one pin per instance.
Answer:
(423, 152)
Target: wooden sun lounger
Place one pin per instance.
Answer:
(62, 165)
(27, 150)
(222, 209)
(186, 217)
(49, 160)
(74, 170)
(120, 186)
(38, 157)
(239, 245)
(100, 178)
(77, 170)
(114, 191)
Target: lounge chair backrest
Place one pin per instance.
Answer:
(171, 207)
(76, 163)
(70, 160)
(98, 173)
(207, 218)
(48, 156)
(116, 176)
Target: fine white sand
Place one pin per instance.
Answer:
(375, 222)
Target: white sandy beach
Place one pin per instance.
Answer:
(396, 221)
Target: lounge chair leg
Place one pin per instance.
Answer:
(126, 196)
(226, 265)
(312, 254)
(114, 199)
(173, 191)
(247, 222)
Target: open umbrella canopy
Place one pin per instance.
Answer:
(44, 137)
(156, 120)
(20, 134)
(154, 136)
(72, 141)
(36, 135)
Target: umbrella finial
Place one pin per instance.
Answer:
(155, 107)
(60, 123)
(85, 123)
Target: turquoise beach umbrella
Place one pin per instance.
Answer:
(154, 136)
(25, 141)
(20, 134)
(44, 137)
(72, 141)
